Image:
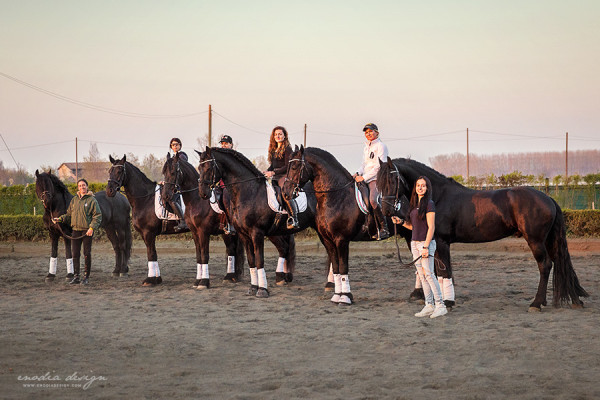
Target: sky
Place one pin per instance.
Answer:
(130, 75)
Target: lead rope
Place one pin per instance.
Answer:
(65, 235)
(439, 264)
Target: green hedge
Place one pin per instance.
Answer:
(584, 223)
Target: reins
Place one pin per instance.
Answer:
(65, 235)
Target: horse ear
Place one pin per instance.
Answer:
(37, 173)
(390, 162)
(124, 157)
(296, 148)
(199, 153)
(207, 151)
(112, 160)
(168, 156)
(302, 149)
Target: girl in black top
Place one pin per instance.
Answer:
(280, 151)
(422, 224)
(176, 200)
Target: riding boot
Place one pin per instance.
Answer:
(292, 221)
(181, 226)
(381, 222)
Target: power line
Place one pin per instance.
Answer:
(10, 152)
(241, 126)
(96, 107)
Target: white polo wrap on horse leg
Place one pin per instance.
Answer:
(53, 265)
(447, 286)
(262, 278)
(253, 277)
(230, 264)
(330, 274)
(70, 268)
(205, 274)
(153, 270)
(280, 264)
(345, 289)
(337, 279)
(198, 271)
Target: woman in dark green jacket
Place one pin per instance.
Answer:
(85, 217)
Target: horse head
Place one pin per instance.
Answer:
(44, 188)
(393, 189)
(116, 176)
(209, 172)
(298, 174)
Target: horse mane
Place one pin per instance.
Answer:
(327, 158)
(422, 169)
(239, 157)
(56, 182)
(145, 179)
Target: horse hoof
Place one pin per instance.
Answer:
(50, 277)
(289, 277)
(230, 278)
(346, 299)
(279, 278)
(416, 295)
(449, 304)
(252, 290)
(262, 293)
(115, 274)
(329, 287)
(152, 281)
(69, 277)
(123, 275)
(577, 306)
(203, 284)
(534, 309)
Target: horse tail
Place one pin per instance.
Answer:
(240, 258)
(564, 279)
(291, 258)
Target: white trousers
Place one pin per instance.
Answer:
(425, 270)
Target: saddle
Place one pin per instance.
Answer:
(275, 200)
(163, 211)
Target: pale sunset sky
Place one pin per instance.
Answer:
(129, 75)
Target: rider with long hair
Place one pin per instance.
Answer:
(422, 224)
(279, 154)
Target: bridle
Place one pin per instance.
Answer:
(303, 168)
(176, 185)
(46, 198)
(119, 183)
(212, 184)
(397, 201)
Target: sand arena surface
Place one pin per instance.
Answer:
(173, 341)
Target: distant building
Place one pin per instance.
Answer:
(91, 171)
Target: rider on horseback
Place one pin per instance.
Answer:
(374, 151)
(176, 201)
(226, 142)
(280, 151)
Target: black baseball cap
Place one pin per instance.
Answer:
(226, 139)
(373, 127)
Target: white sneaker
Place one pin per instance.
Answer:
(439, 311)
(426, 311)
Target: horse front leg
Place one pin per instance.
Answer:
(231, 246)
(202, 243)
(53, 256)
(259, 259)
(154, 277)
(282, 245)
(443, 271)
(343, 249)
(334, 273)
(247, 241)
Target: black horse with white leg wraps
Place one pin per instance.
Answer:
(465, 215)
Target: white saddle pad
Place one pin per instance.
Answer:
(274, 204)
(214, 204)
(359, 200)
(160, 210)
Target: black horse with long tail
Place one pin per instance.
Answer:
(465, 215)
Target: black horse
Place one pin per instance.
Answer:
(116, 221)
(141, 193)
(473, 216)
(250, 212)
(339, 219)
(180, 176)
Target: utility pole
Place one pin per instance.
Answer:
(76, 162)
(209, 125)
(567, 159)
(304, 135)
(467, 156)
